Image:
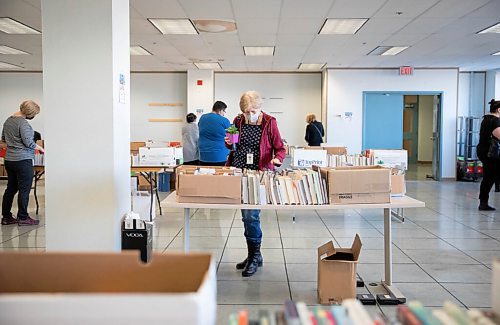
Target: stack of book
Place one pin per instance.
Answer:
(348, 160)
(352, 312)
(304, 187)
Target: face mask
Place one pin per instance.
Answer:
(29, 118)
(253, 117)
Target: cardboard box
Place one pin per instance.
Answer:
(218, 188)
(390, 158)
(366, 184)
(106, 288)
(309, 157)
(156, 156)
(398, 185)
(336, 150)
(337, 272)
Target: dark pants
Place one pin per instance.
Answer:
(20, 179)
(206, 163)
(192, 162)
(490, 176)
(251, 222)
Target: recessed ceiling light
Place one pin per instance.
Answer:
(138, 50)
(388, 50)
(208, 65)
(311, 66)
(11, 26)
(173, 26)
(215, 26)
(342, 26)
(4, 49)
(258, 50)
(492, 29)
(496, 53)
(8, 66)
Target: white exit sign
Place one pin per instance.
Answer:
(406, 71)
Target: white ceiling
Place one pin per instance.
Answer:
(440, 33)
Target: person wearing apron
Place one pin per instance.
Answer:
(260, 147)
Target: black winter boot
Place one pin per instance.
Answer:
(254, 256)
(241, 265)
(483, 206)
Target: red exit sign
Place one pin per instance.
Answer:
(405, 71)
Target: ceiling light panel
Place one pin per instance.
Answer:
(208, 65)
(138, 50)
(387, 50)
(395, 50)
(493, 29)
(11, 26)
(8, 66)
(173, 26)
(258, 50)
(311, 66)
(342, 26)
(4, 49)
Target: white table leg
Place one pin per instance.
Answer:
(186, 229)
(387, 283)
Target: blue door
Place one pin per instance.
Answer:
(383, 121)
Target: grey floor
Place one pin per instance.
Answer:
(441, 252)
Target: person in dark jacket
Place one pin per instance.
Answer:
(490, 127)
(260, 147)
(314, 131)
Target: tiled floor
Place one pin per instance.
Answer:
(441, 252)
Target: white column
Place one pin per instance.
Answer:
(87, 118)
(200, 91)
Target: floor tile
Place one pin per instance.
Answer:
(400, 273)
(435, 256)
(475, 244)
(430, 294)
(377, 256)
(463, 274)
(252, 292)
(267, 242)
(296, 242)
(302, 272)
(485, 257)
(199, 242)
(421, 243)
(301, 255)
(472, 295)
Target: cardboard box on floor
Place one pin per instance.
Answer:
(364, 184)
(106, 288)
(337, 272)
(224, 189)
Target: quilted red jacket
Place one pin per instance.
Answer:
(271, 144)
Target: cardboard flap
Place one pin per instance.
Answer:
(356, 247)
(102, 272)
(326, 250)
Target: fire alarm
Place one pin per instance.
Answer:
(199, 82)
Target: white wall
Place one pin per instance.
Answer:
(200, 97)
(492, 87)
(345, 94)
(157, 88)
(287, 96)
(16, 87)
(463, 93)
(425, 104)
(471, 95)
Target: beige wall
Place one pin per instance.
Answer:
(425, 128)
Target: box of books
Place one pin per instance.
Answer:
(208, 185)
(366, 184)
(337, 272)
(309, 157)
(172, 289)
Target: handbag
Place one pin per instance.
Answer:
(319, 132)
(494, 149)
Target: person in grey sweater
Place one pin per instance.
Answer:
(18, 137)
(190, 136)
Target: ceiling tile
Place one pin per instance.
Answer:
(258, 25)
(256, 8)
(383, 25)
(305, 9)
(294, 40)
(216, 9)
(355, 8)
(404, 8)
(299, 26)
(252, 39)
(453, 8)
(158, 8)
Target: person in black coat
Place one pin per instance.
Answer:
(314, 131)
(490, 127)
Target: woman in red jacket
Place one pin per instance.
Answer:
(260, 147)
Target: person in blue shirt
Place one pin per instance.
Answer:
(212, 127)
